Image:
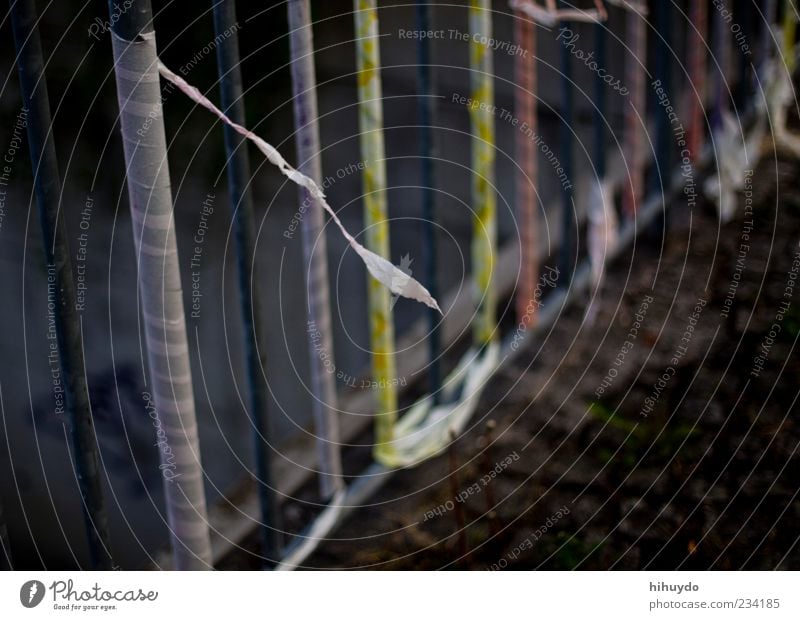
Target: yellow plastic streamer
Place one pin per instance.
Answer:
(484, 225)
(370, 120)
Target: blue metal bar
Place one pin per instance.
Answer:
(719, 48)
(47, 184)
(6, 563)
(566, 263)
(231, 98)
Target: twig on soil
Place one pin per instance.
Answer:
(458, 510)
(486, 441)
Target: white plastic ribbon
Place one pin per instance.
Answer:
(392, 277)
(549, 15)
(602, 239)
(425, 430)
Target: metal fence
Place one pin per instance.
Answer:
(671, 120)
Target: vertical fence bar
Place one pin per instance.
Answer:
(765, 47)
(789, 34)
(601, 225)
(232, 101)
(150, 194)
(528, 176)
(663, 73)
(484, 225)
(743, 19)
(697, 51)
(323, 387)
(5, 545)
(565, 261)
(635, 62)
(47, 184)
(600, 101)
(720, 48)
(426, 112)
(370, 120)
